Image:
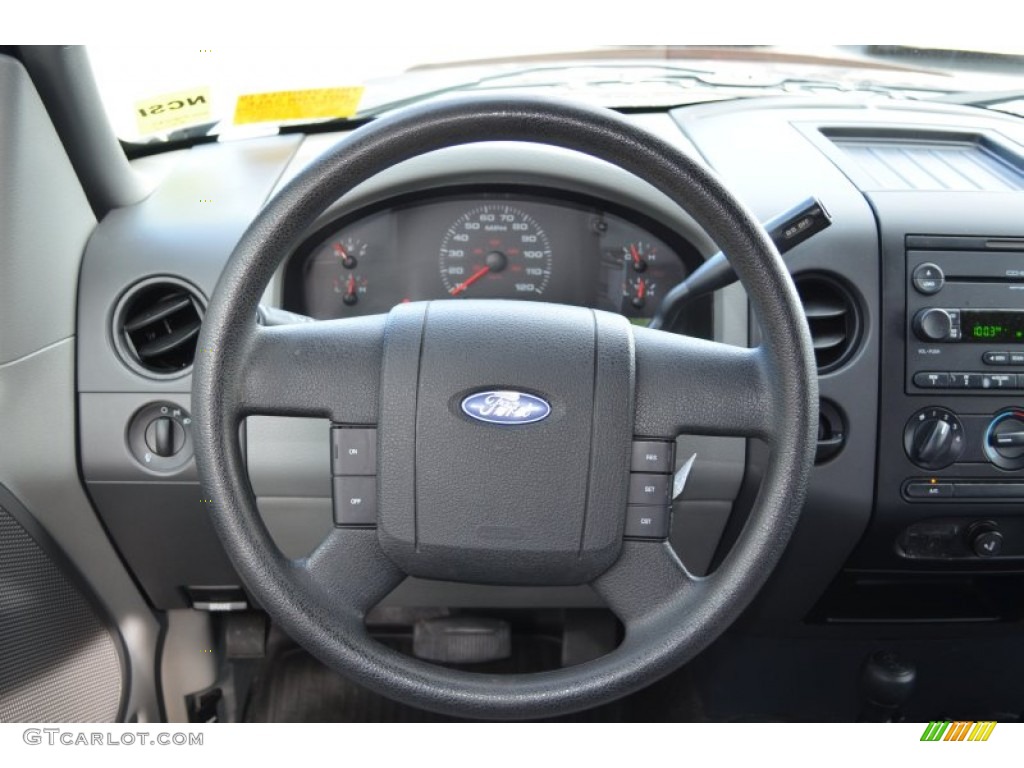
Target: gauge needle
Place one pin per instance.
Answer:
(641, 289)
(470, 280)
(350, 286)
(636, 256)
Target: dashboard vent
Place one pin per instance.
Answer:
(833, 318)
(157, 327)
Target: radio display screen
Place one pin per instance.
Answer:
(988, 326)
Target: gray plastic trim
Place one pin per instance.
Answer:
(45, 221)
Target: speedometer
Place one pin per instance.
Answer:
(495, 251)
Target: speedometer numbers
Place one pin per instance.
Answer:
(495, 251)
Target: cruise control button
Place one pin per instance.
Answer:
(652, 456)
(643, 522)
(355, 501)
(931, 380)
(353, 451)
(996, 358)
(929, 490)
(648, 489)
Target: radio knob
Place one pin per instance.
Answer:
(933, 325)
(934, 438)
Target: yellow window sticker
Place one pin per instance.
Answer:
(168, 111)
(278, 106)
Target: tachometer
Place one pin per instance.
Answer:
(495, 251)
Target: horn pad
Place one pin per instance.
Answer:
(500, 491)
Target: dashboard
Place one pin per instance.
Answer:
(491, 243)
(910, 187)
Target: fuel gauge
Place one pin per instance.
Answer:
(639, 292)
(351, 287)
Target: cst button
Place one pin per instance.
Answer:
(646, 522)
(353, 451)
(652, 456)
(355, 501)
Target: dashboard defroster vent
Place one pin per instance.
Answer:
(156, 327)
(833, 318)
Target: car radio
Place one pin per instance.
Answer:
(965, 314)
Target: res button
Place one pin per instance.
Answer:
(652, 456)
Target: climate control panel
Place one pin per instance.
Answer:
(937, 438)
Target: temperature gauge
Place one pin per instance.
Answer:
(349, 252)
(640, 256)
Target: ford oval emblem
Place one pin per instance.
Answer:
(505, 407)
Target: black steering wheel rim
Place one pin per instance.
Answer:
(317, 601)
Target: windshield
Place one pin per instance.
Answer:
(156, 94)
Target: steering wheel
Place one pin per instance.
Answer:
(535, 503)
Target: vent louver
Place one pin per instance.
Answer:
(157, 327)
(832, 317)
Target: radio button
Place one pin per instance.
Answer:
(1017, 358)
(998, 380)
(965, 380)
(931, 380)
(998, 358)
(928, 278)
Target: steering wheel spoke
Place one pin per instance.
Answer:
(647, 578)
(686, 385)
(350, 569)
(328, 368)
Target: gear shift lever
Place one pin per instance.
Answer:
(886, 683)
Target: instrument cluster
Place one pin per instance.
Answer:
(491, 245)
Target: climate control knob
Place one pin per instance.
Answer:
(933, 324)
(933, 438)
(1004, 440)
